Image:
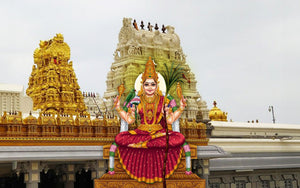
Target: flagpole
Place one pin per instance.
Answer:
(166, 152)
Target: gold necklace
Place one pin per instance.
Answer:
(148, 110)
(150, 99)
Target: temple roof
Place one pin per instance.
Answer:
(11, 87)
(151, 37)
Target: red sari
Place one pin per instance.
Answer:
(146, 164)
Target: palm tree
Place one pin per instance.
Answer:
(172, 76)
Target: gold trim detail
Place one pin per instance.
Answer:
(150, 128)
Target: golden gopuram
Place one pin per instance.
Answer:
(53, 85)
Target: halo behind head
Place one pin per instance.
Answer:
(160, 81)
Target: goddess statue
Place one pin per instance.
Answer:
(142, 151)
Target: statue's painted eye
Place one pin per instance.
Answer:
(150, 84)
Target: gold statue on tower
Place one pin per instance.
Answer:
(53, 84)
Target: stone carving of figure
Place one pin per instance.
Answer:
(157, 38)
(178, 55)
(116, 55)
(144, 39)
(170, 29)
(131, 50)
(126, 31)
(138, 51)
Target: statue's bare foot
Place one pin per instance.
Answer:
(111, 172)
(135, 145)
(131, 145)
(160, 134)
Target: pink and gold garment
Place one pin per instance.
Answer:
(146, 164)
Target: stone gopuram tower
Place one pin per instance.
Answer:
(135, 46)
(53, 84)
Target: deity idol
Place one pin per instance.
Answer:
(142, 151)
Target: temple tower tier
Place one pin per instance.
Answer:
(53, 85)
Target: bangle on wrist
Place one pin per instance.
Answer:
(144, 144)
(180, 109)
(119, 109)
(131, 117)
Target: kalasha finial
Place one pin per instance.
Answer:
(179, 90)
(149, 26)
(142, 25)
(163, 29)
(156, 27)
(121, 89)
(135, 25)
(215, 104)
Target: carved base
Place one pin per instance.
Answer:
(178, 180)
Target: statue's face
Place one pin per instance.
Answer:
(150, 86)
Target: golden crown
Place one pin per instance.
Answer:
(150, 72)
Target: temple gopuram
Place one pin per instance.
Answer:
(135, 45)
(53, 85)
(65, 140)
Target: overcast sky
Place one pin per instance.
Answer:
(245, 54)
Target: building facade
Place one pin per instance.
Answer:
(260, 155)
(12, 99)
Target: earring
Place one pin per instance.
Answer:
(158, 91)
(141, 92)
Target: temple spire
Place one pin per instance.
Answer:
(53, 85)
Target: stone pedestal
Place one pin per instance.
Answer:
(177, 180)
